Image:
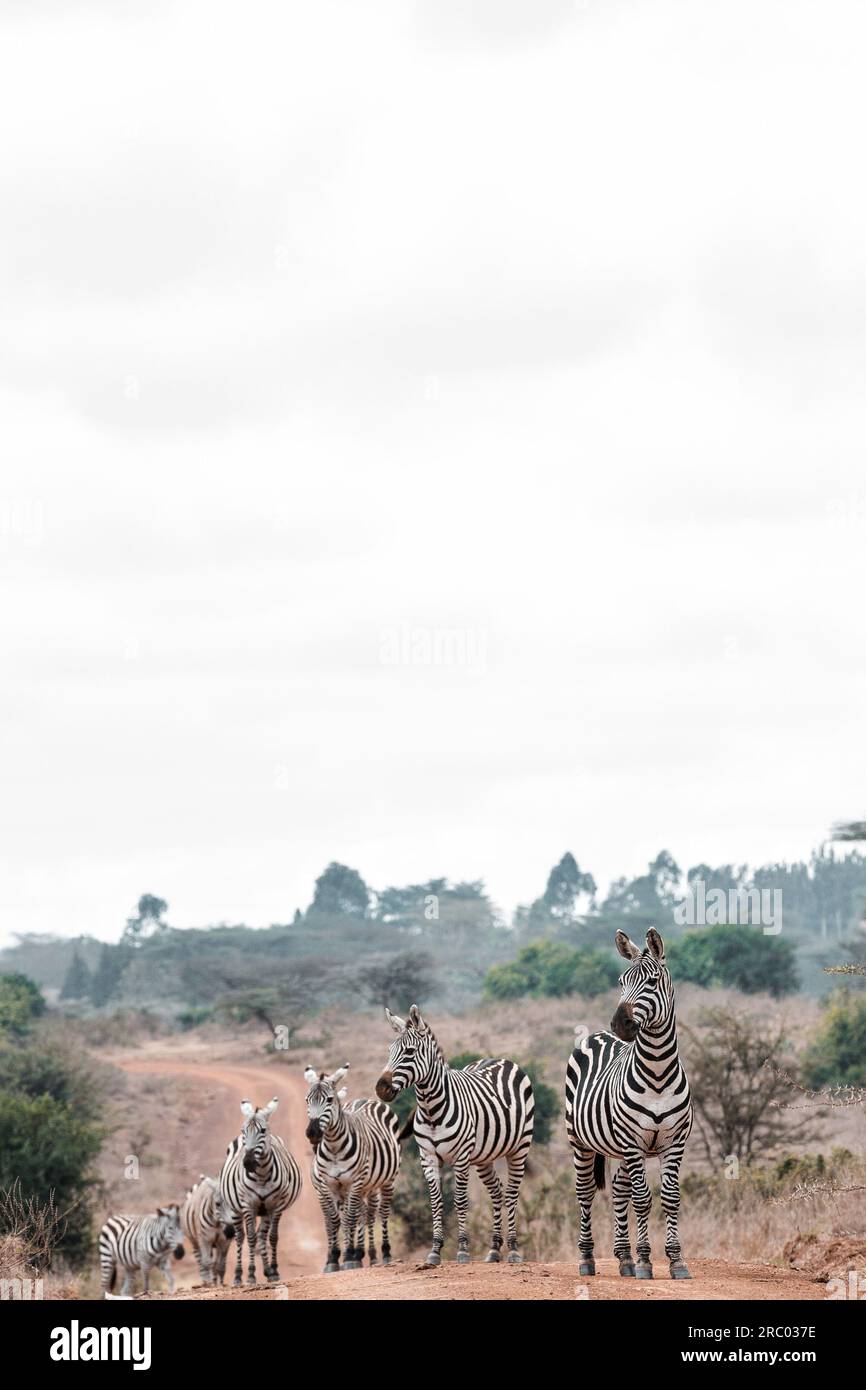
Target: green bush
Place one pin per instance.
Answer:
(20, 1003)
(48, 1148)
(737, 957)
(837, 1053)
(551, 968)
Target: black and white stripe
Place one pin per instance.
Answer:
(259, 1178)
(469, 1118)
(627, 1097)
(139, 1243)
(205, 1225)
(355, 1165)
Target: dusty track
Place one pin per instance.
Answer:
(301, 1241)
(714, 1280)
(301, 1248)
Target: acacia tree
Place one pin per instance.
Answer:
(736, 1066)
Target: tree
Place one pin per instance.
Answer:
(837, 1053)
(739, 957)
(78, 982)
(552, 968)
(734, 1063)
(113, 960)
(340, 892)
(402, 979)
(147, 920)
(20, 1003)
(567, 887)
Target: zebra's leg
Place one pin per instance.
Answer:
(621, 1244)
(358, 1252)
(331, 1214)
(516, 1164)
(585, 1187)
(272, 1271)
(145, 1275)
(488, 1175)
(670, 1166)
(239, 1237)
(433, 1173)
(461, 1202)
(126, 1288)
(250, 1222)
(262, 1242)
(372, 1210)
(385, 1199)
(165, 1266)
(353, 1214)
(641, 1201)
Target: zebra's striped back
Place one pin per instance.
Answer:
(130, 1243)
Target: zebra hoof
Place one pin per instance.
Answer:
(463, 1257)
(434, 1258)
(680, 1271)
(386, 1259)
(626, 1269)
(331, 1269)
(643, 1271)
(586, 1267)
(351, 1264)
(493, 1258)
(514, 1257)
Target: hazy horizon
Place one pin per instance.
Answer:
(434, 440)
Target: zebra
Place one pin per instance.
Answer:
(209, 1233)
(356, 1158)
(131, 1243)
(259, 1177)
(467, 1117)
(627, 1097)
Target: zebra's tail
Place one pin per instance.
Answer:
(598, 1172)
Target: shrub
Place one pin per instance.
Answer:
(837, 1053)
(20, 1003)
(739, 957)
(552, 969)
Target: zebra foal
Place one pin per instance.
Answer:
(259, 1178)
(138, 1244)
(627, 1097)
(468, 1117)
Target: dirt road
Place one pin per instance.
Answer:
(301, 1248)
(714, 1280)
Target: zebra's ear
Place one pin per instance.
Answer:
(397, 1023)
(626, 947)
(342, 1093)
(338, 1074)
(270, 1107)
(416, 1020)
(310, 1076)
(247, 1109)
(655, 945)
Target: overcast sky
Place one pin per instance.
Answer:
(434, 437)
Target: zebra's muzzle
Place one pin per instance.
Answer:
(314, 1133)
(623, 1024)
(385, 1088)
